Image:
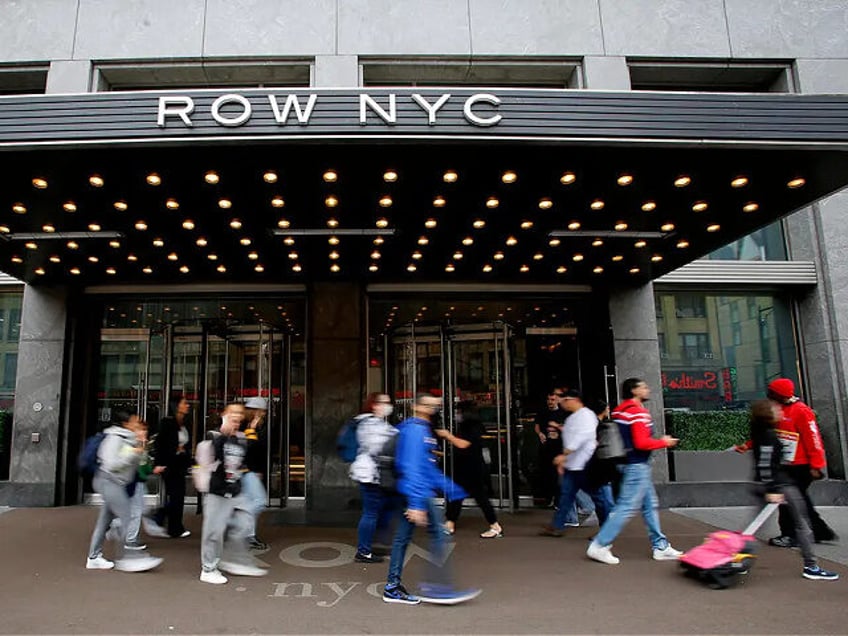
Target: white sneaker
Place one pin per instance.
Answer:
(98, 563)
(214, 577)
(241, 569)
(667, 554)
(153, 529)
(138, 564)
(602, 553)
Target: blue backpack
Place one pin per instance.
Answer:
(347, 445)
(88, 461)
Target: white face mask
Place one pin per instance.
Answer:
(384, 410)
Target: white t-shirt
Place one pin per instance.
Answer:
(579, 435)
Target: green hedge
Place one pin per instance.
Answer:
(707, 430)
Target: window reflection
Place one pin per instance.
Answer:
(766, 244)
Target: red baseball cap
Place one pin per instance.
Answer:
(782, 387)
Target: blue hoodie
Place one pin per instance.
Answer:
(419, 479)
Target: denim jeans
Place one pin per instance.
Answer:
(253, 490)
(573, 481)
(637, 493)
(437, 574)
(377, 510)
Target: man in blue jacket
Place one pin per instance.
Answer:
(419, 481)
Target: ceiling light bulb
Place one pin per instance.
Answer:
(202, 242)
(296, 267)
(574, 225)
(390, 176)
(48, 228)
(69, 206)
(796, 183)
(259, 268)
(430, 224)
(140, 226)
(120, 206)
(449, 267)
(19, 208)
(381, 223)
(423, 240)
(554, 242)
(699, 206)
(94, 227)
(235, 224)
(31, 246)
(331, 201)
(379, 240)
(597, 204)
(188, 224)
(184, 269)
(567, 178)
(450, 176)
(253, 256)
(492, 203)
(739, 182)
(538, 256)
(640, 244)
(96, 181)
(634, 270)
(625, 180)
(373, 267)
(5, 229)
(499, 256)
(620, 226)
(682, 181)
(55, 259)
(479, 224)
(330, 176)
(511, 241)
(751, 206)
(283, 223)
(598, 269)
(545, 204)
(597, 242)
(225, 204)
(334, 255)
(375, 255)
(39, 183)
(158, 242)
(288, 240)
(667, 227)
(333, 240)
(132, 257)
(439, 202)
(649, 206)
(385, 201)
(154, 179)
(509, 177)
(335, 268)
(457, 256)
(221, 268)
(75, 271)
(173, 256)
(487, 268)
(293, 256)
(147, 270)
(111, 271)
(270, 177)
(417, 255)
(562, 269)
(17, 259)
(277, 202)
(72, 245)
(172, 204)
(245, 241)
(524, 269)
(715, 227)
(577, 258)
(656, 258)
(468, 241)
(114, 244)
(618, 258)
(526, 225)
(211, 177)
(411, 267)
(212, 256)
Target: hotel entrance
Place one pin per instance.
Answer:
(212, 353)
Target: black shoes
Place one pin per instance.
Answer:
(783, 542)
(368, 558)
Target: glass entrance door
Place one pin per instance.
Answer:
(469, 363)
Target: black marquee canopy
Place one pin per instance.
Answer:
(400, 185)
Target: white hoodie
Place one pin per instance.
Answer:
(118, 459)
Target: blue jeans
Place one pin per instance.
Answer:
(574, 481)
(637, 492)
(253, 491)
(583, 505)
(438, 574)
(377, 510)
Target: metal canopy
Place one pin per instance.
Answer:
(474, 204)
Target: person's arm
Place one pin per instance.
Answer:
(810, 438)
(642, 438)
(445, 434)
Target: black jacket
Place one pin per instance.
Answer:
(167, 443)
(768, 469)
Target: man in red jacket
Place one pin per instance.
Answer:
(803, 458)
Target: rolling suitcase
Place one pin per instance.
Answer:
(724, 555)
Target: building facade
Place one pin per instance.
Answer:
(312, 201)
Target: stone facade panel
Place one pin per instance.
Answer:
(36, 30)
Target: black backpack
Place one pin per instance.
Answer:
(610, 444)
(386, 464)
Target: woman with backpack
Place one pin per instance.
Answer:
(373, 433)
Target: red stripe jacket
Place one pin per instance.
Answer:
(799, 435)
(637, 430)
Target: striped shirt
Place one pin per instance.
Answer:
(637, 431)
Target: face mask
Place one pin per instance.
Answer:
(384, 410)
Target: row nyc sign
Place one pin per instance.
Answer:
(232, 109)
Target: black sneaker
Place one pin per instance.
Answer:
(398, 594)
(255, 544)
(783, 542)
(368, 558)
(815, 573)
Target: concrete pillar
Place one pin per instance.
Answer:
(336, 363)
(336, 71)
(69, 76)
(637, 352)
(606, 73)
(36, 437)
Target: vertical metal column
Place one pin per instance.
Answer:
(507, 393)
(285, 451)
(498, 416)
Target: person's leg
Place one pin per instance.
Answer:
(585, 504)
(253, 491)
(403, 537)
(650, 512)
(821, 531)
(216, 513)
(567, 495)
(797, 508)
(629, 501)
(238, 527)
(372, 502)
(116, 499)
(453, 509)
(482, 498)
(104, 520)
(601, 495)
(176, 486)
(136, 511)
(439, 572)
(388, 514)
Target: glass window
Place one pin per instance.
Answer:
(690, 306)
(694, 346)
(10, 329)
(765, 244)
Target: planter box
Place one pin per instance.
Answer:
(710, 466)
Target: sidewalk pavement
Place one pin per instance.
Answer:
(531, 584)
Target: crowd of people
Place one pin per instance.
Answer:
(591, 457)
